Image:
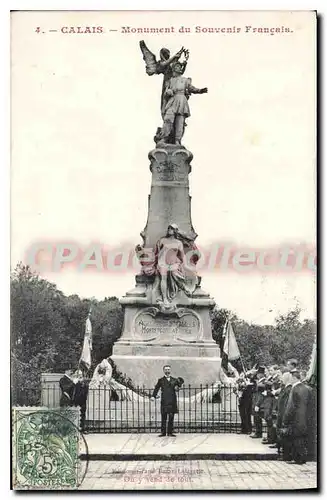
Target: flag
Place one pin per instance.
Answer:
(85, 359)
(230, 347)
(312, 372)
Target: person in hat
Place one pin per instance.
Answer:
(296, 418)
(257, 402)
(168, 386)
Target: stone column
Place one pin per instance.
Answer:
(181, 337)
(169, 201)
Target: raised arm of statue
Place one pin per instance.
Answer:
(167, 62)
(152, 66)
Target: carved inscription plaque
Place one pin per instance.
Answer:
(172, 168)
(166, 329)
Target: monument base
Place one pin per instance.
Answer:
(182, 339)
(145, 370)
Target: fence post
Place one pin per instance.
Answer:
(189, 408)
(138, 406)
(183, 389)
(201, 402)
(143, 390)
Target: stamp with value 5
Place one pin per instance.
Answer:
(45, 448)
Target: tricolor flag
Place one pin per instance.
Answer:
(85, 359)
(230, 350)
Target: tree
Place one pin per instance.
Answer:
(108, 322)
(294, 339)
(36, 323)
(218, 321)
(269, 344)
(47, 330)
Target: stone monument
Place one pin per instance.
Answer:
(166, 315)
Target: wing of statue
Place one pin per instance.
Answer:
(149, 58)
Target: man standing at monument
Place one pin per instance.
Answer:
(168, 385)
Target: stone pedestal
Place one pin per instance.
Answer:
(152, 335)
(169, 201)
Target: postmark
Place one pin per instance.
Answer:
(46, 447)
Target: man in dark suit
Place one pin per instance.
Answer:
(67, 387)
(245, 386)
(168, 385)
(296, 418)
(283, 441)
(74, 392)
(257, 402)
(272, 423)
(80, 396)
(268, 409)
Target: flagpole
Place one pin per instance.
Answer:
(228, 320)
(223, 340)
(89, 317)
(81, 365)
(243, 366)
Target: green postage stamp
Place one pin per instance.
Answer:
(45, 448)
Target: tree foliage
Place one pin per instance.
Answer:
(288, 338)
(47, 328)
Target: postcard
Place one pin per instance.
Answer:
(163, 250)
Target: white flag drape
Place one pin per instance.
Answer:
(87, 345)
(230, 344)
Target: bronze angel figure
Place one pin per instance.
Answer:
(176, 91)
(162, 66)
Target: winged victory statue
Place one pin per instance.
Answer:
(176, 91)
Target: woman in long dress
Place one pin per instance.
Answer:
(172, 266)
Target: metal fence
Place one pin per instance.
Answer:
(200, 409)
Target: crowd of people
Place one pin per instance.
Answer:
(276, 399)
(280, 398)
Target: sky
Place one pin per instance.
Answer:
(84, 113)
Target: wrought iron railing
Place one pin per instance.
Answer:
(200, 409)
